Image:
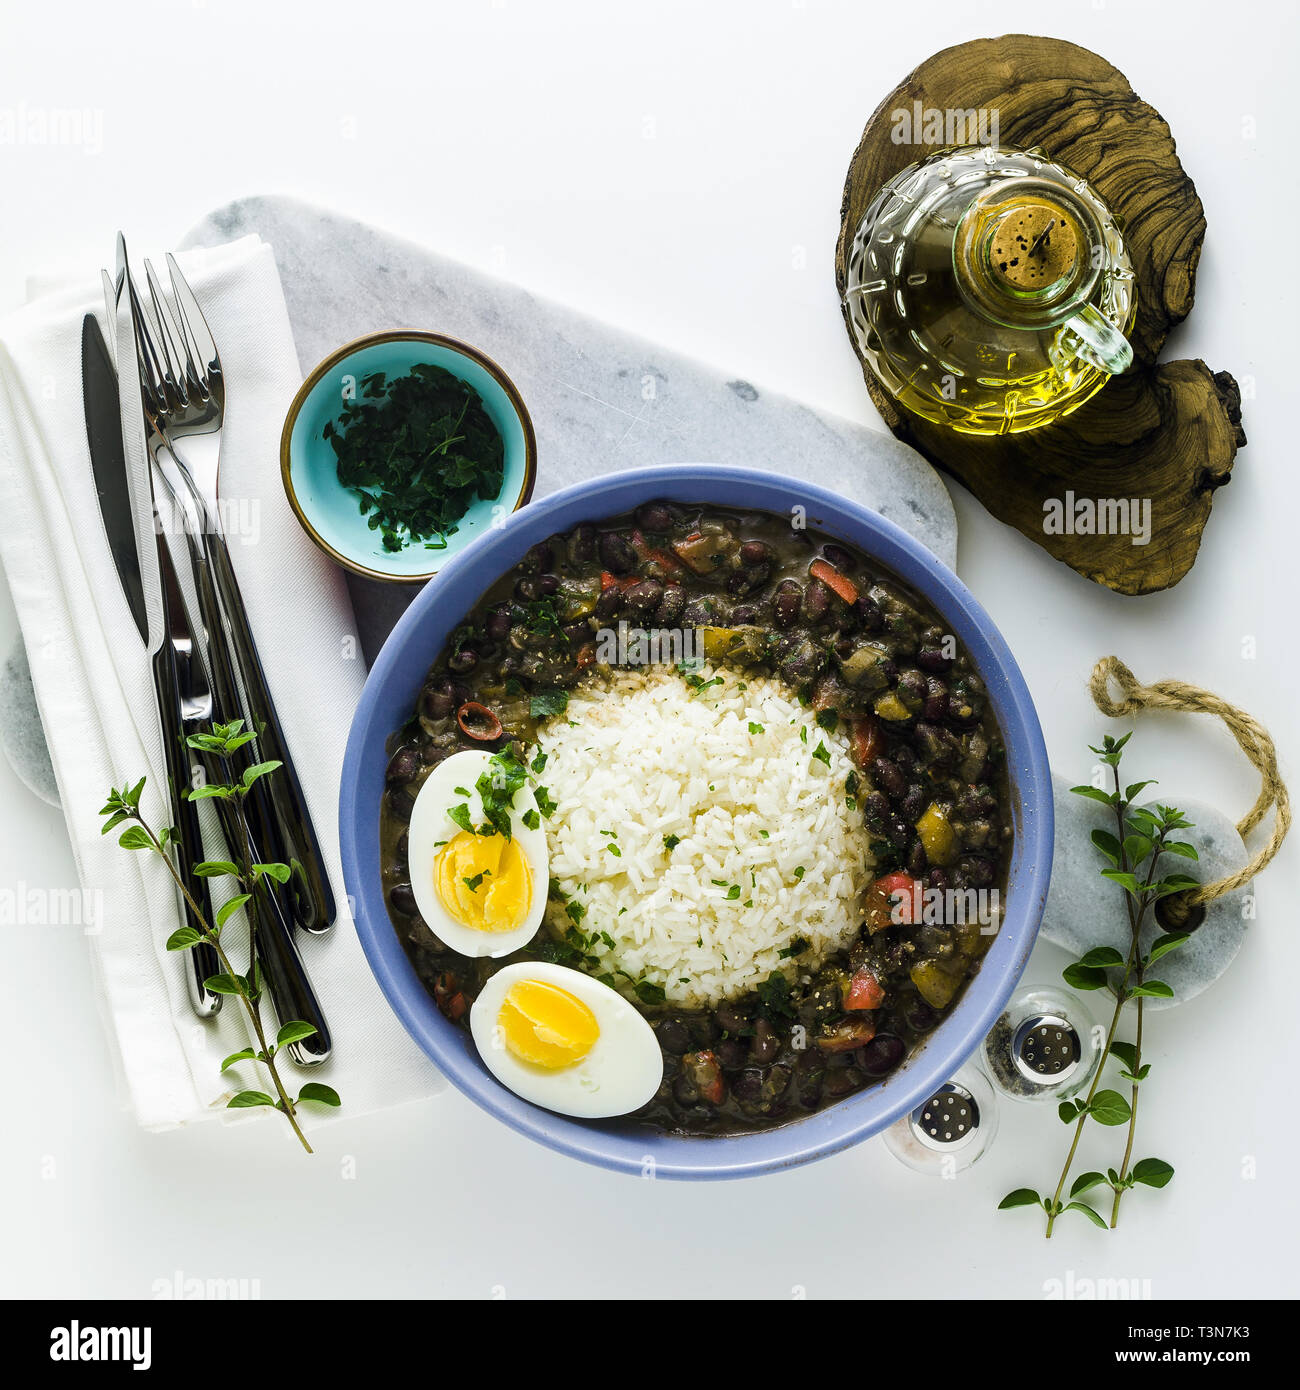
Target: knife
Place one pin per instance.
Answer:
(108, 463)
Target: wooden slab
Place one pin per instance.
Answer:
(1165, 431)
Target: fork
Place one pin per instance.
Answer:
(184, 389)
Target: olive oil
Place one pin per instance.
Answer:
(990, 291)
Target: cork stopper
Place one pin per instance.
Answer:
(1035, 245)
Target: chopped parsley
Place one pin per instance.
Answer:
(539, 762)
(756, 728)
(531, 819)
(416, 452)
(544, 803)
(473, 883)
(671, 842)
(544, 704)
(774, 996)
(795, 948)
(697, 682)
(821, 753)
(799, 873)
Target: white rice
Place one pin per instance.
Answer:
(646, 756)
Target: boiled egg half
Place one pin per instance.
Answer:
(566, 1042)
(481, 894)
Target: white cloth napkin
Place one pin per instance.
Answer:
(90, 673)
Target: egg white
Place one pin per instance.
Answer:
(430, 824)
(621, 1073)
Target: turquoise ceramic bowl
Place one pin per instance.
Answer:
(329, 512)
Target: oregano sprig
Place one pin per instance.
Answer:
(1143, 836)
(123, 809)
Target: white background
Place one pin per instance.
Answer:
(675, 168)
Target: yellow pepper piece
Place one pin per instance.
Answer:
(936, 834)
(892, 708)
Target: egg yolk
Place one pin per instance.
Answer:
(484, 882)
(546, 1025)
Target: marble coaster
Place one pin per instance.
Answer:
(1084, 910)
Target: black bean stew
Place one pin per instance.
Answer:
(872, 659)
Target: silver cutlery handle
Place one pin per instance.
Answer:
(292, 823)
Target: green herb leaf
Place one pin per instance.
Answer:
(671, 842)
(648, 992)
(1124, 880)
(1085, 1182)
(293, 1031)
(226, 984)
(215, 868)
(1151, 989)
(1162, 945)
(1107, 844)
(183, 938)
(245, 1054)
(207, 791)
(319, 1092)
(1102, 956)
(1126, 1053)
(774, 996)
(230, 907)
(1081, 976)
(548, 702)
(1084, 1209)
(1095, 794)
(135, 837)
(756, 728)
(245, 1100)
(258, 770)
(821, 753)
(1154, 1172)
(1021, 1197)
(1109, 1108)
(1181, 848)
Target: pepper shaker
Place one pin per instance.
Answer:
(1044, 1047)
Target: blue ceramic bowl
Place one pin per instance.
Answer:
(330, 513)
(390, 695)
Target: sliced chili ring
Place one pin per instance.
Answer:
(478, 722)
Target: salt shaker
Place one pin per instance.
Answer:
(950, 1129)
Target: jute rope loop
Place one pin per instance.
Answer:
(1252, 738)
